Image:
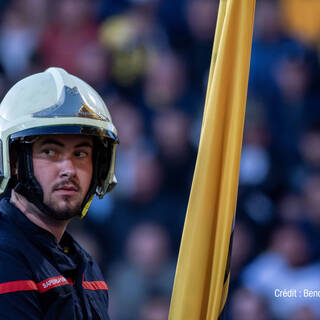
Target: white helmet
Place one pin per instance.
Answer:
(55, 102)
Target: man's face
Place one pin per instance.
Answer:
(62, 165)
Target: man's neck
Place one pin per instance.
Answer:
(56, 227)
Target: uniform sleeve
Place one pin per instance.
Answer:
(18, 292)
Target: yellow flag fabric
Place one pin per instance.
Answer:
(202, 275)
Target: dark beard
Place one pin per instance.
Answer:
(64, 214)
(68, 212)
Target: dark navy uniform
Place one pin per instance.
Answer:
(41, 279)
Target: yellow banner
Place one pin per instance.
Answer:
(202, 275)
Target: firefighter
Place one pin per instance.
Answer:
(57, 150)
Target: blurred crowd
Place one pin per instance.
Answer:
(150, 59)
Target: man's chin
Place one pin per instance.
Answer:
(64, 215)
(64, 212)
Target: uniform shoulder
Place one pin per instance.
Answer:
(14, 264)
(12, 242)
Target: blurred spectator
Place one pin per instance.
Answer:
(131, 37)
(166, 84)
(312, 198)
(147, 268)
(295, 103)
(93, 63)
(288, 67)
(133, 142)
(87, 240)
(243, 249)
(255, 166)
(270, 43)
(174, 150)
(311, 213)
(72, 28)
(196, 44)
(284, 266)
(201, 16)
(304, 313)
(246, 305)
(155, 308)
(290, 208)
(146, 202)
(309, 164)
(19, 36)
(171, 16)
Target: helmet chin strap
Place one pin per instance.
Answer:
(29, 187)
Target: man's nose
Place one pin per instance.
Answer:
(67, 167)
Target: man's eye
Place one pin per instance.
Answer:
(81, 154)
(48, 152)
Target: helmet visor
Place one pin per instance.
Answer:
(29, 134)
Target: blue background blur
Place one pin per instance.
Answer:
(149, 59)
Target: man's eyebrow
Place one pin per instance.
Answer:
(60, 144)
(51, 141)
(84, 144)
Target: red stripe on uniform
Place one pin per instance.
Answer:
(94, 285)
(53, 282)
(15, 286)
(47, 284)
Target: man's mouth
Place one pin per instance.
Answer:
(67, 189)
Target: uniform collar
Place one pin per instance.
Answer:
(39, 236)
(32, 231)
